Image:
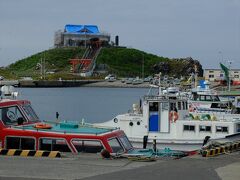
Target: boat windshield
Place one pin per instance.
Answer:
(126, 143)
(11, 115)
(32, 116)
(115, 145)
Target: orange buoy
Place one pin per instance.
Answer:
(173, 116)
(42, 126)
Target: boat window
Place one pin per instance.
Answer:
(11, 115)
(189, 128)
(195, 96)
(115, 145)
(173, 107)
(205, 128)
(153, 106)
(25, 143)
(126, 143)
(219, 105)
(88, 146)
(185, 105)
(202, 98)
(238, 128)
(165, 106)
(179, 106)
(49, 144)
(221, 129)
(208, 98)
(215, 98)
(32, 116)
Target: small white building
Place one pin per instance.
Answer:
(218, 74)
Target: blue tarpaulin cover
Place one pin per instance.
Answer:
(81, 29)
(202, 84)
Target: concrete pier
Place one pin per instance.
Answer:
(59, 83)
(81, 83)
(93, 167)
(9, 83)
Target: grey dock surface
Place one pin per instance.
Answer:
(93, 167)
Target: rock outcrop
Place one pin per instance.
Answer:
(179, 67)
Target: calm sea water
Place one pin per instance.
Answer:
(92, 104)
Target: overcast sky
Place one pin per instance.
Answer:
(207, 30)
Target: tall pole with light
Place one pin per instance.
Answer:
(229, 76)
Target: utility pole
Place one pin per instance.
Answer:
(142, 66)
(41, 68)
(44, 68)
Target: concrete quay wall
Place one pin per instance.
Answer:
(62, 83)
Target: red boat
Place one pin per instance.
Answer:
(20, 128)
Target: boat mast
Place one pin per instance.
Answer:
(159, 85)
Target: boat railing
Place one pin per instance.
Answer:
(164, 97)
(214, 110)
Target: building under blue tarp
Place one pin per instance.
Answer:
(81, 29)
(80, 36)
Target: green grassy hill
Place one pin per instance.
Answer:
(120, 61)
(129, 62)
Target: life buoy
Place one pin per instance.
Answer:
(42, 126)
(173, 116)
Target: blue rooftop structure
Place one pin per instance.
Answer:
(81, 29)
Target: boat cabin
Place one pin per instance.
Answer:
(165, 117)
(162, 110)
(20, 128)
(205, 99)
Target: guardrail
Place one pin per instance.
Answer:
(228, 148)
(32, 153)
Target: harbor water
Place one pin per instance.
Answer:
(88, 103)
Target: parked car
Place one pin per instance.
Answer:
(148, 79)
(1, 78)
(112, 79)
(110, 76)
(129, 81)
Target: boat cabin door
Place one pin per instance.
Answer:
(158, 117)
(154, 124)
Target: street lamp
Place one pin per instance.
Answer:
(229, 75)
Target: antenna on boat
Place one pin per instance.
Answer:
(83, 121)
(159, 84)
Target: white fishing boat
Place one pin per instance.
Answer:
(206, 99)
(206, 103)
(165, 117)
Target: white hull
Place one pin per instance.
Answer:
(166, 118)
